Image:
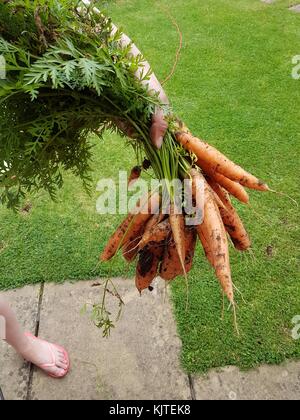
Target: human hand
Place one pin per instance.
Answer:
(158, 128)
(157, 131)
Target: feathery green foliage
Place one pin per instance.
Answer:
(67, 76)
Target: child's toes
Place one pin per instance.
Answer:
(62, 364)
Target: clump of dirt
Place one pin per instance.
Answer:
(270, 251)
(25, 210)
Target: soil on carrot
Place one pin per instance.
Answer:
(233, 86)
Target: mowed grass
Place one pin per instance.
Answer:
(233, 86)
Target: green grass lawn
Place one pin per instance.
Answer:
(233, 86)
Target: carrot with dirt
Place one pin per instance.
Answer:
(177, 226)
(116, 240)
(154, 220)
(214, 231)
(157, 233)
(171, 266)
(148, 264)
(196, 189)
(232, 221)
(136, 230)
(233, 187)
(220, 192)
(236, 229)
(219, 162)
(205, 241)
(213, 236)
(131, 248)
(198, 180)
(190, 246)
(131, 226)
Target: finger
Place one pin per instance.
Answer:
(158, 116)
(157, 135)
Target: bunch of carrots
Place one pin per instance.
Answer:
(163, 244)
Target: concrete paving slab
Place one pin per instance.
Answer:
(295, 8)
(14, 372)
(268, 1)
(266, 383)
(139, 361)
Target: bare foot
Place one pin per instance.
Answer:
(46, 356)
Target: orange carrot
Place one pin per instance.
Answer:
(236, 229)
(220, 192)
(197, 187)
(234, 188)
(147, 266)
(171, 266)
(202, 231)
(219, 202)
(131, 248)
(231, 220)
(219, 162)
(116, 239)
(129, 230)
(155, 220)
(177, 226)
(213, 231)
(205, 241)
(197, 179)
(190, 245)
(157, 233)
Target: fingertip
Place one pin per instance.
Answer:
(159, 142)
